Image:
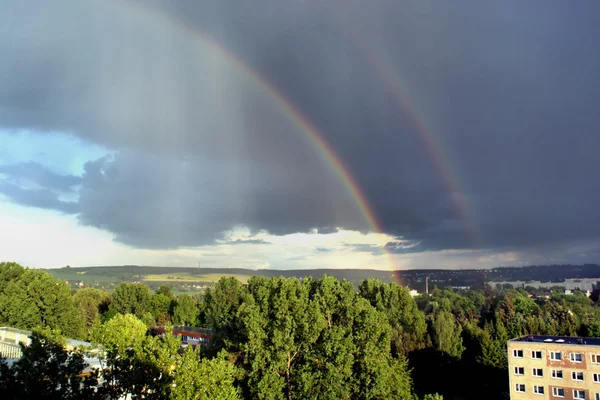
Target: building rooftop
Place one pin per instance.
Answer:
(190, 329)
(558, 340)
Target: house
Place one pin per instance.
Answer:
(190, 335)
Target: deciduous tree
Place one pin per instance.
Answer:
(185, 311)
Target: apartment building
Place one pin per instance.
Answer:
(554, 367)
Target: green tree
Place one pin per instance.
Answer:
(325, 367)
(119, 333)
(220, 307)
(131, 298)
(446, 334)
(166, 290)
(491, 346)
(144, 369)
(278, 327)
(376, 374)
(32, 298)
(160, 308)
(204, 379)
(560, 320)
(47, 371)
(409, 330)
(89, 301)
(317, 339)
(433, 396)
(185, 311)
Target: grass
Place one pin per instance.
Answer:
(187, 277)
(112, 276)
(80, 276)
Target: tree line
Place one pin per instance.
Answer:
(278, 338)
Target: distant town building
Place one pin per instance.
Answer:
(11, 338)
(190, 335)
(554, 367)
(460, 287)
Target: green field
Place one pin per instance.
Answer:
(75, 275)
(187, 277)
(183, 280)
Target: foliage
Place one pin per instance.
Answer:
(317, 339)
(446, 334)
(165, 290)
(131, 298)
(144, 369)
(408, 324)
(204, 379)
(153, 368)
(47, 371)
(220, 310)
(285, 338)
(119, 333)
(185, 311)
(160, 308)
(31, 299)
(90, 302)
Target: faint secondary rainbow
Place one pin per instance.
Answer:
(315, 137)
(443, 165)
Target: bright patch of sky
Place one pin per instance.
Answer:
(61, 153)
(59, 240)
(48, 239)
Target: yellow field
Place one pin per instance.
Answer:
(185, 277)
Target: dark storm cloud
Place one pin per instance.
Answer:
(164, 202)
(506, 91)
(40, 198)
(37, 173)
(33, 185)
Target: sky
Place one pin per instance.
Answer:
(391, 134)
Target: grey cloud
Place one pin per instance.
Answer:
(33, 185)
(503, 94)
(164, 202)
(40, 198)
(365, 248)
(38, 174)
(247, 241)
(403, 247)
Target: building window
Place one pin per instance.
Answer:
(596, 378)
(538, 389)
(555, 355)
(519, 371)
(595, 358)
(579, 394)
(557, 373)
(536, 355)
(558, 392)
(576, 357)
(518, 353)
(597, 397)
(577, 376)
(538, 372)
(520, 387)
